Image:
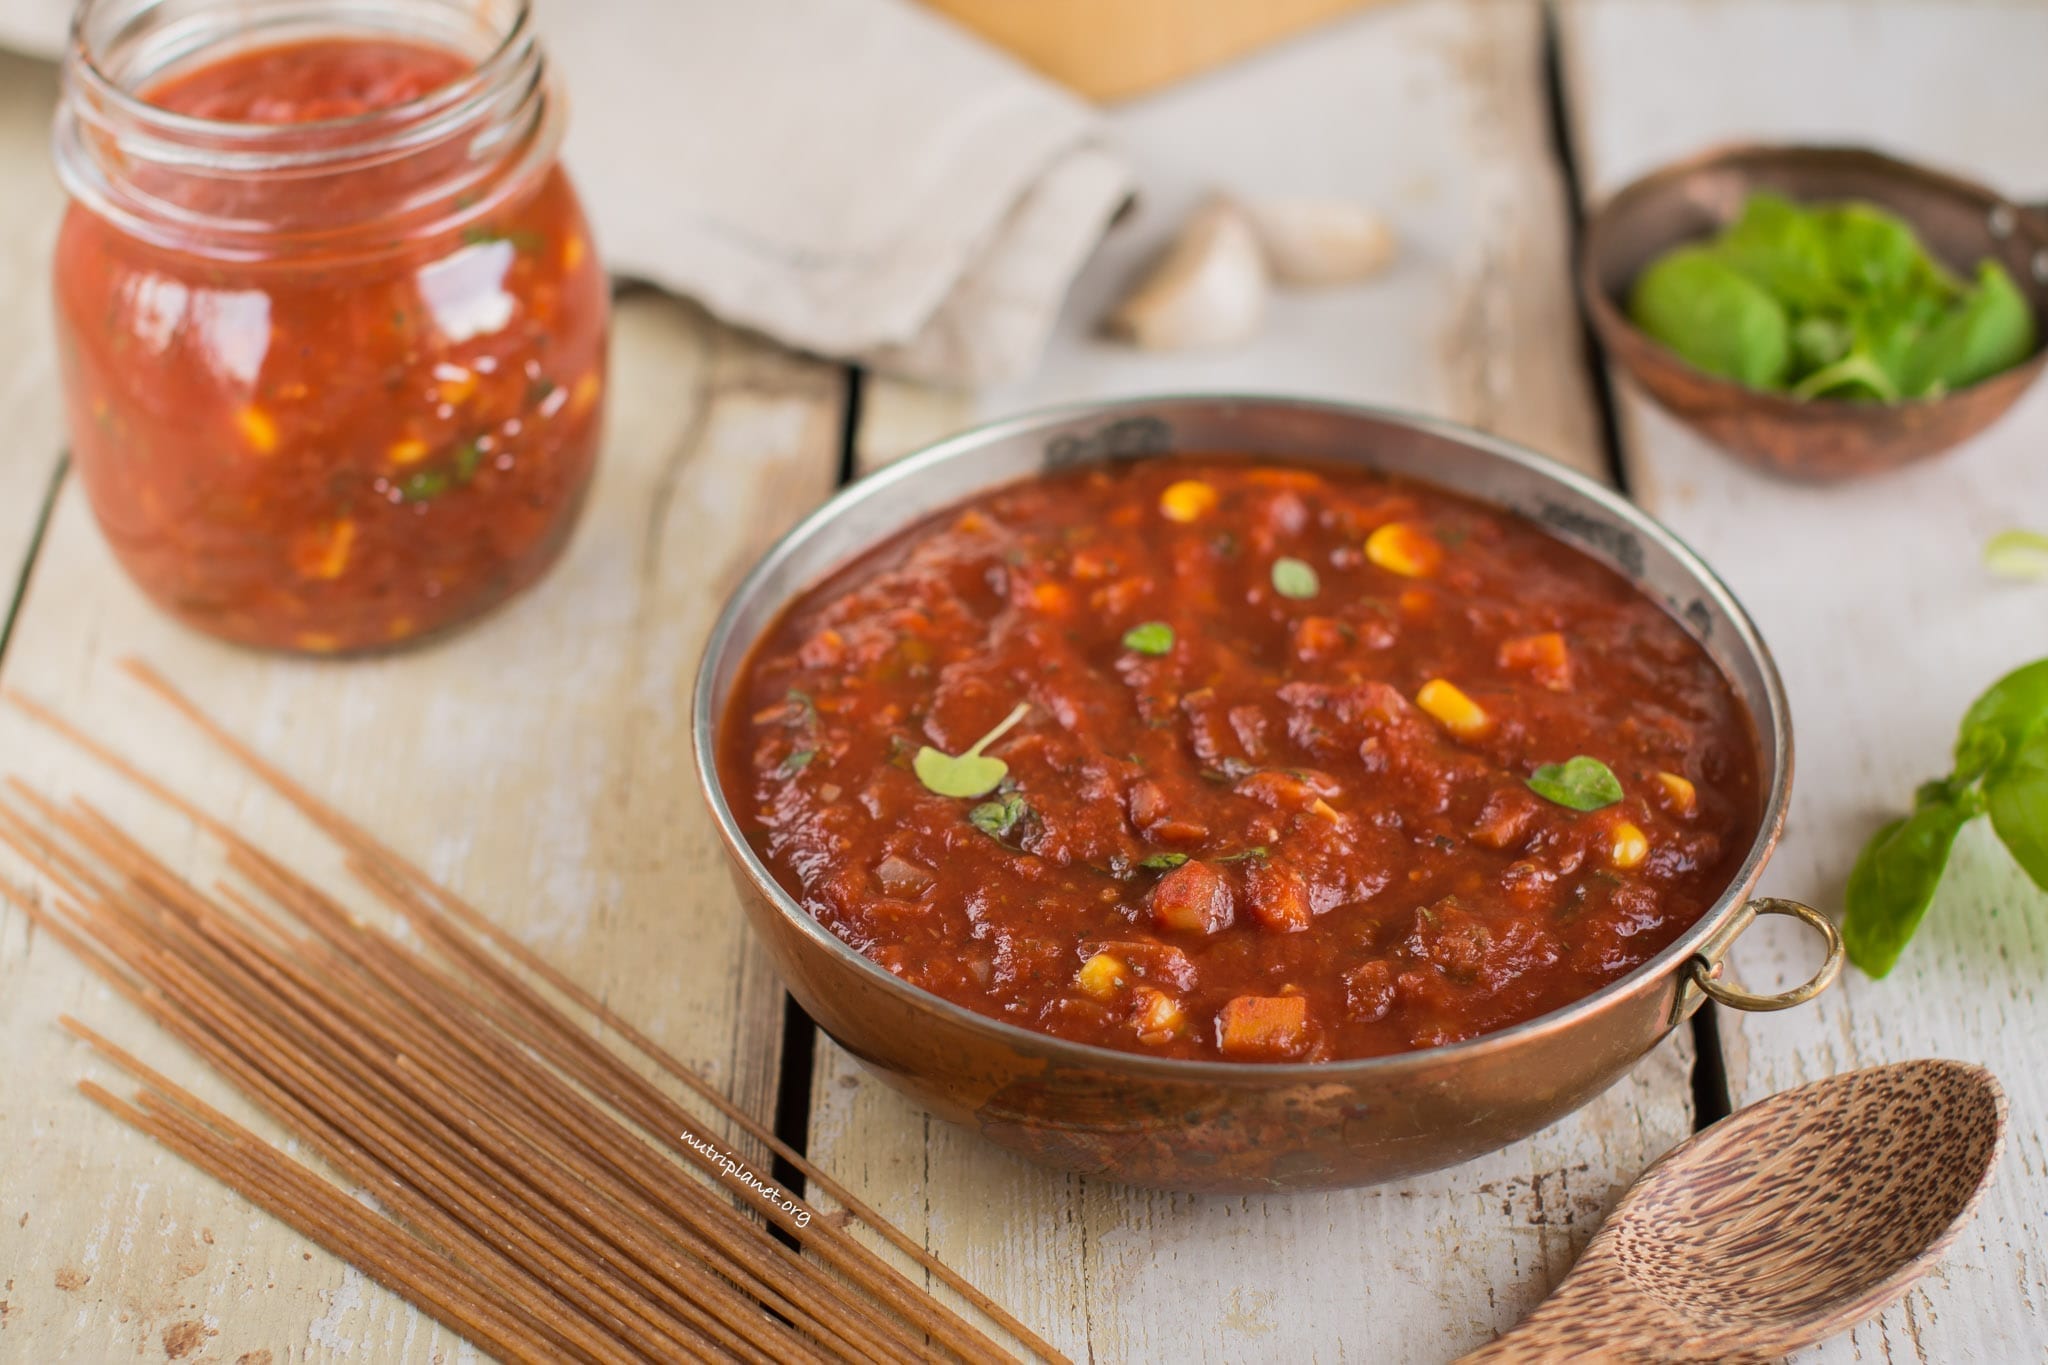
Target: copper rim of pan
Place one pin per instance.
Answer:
(1675, 960)
(1960, 220)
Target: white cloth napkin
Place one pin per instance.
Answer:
(855, 178)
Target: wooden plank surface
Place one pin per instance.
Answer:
(30, 203)
(1435, 112)
(1434, 115)
(540, 762)
(1873, 595)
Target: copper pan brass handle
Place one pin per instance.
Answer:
(1702, 971)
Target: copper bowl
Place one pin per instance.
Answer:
(1224, 1126)
(1817, 440)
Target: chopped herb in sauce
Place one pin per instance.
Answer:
(1258, 852)
(1295, 578)
(1154, 638)
(798, 761)
(1002, 819)
(1163, 862)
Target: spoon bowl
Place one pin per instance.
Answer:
(1781, 1225)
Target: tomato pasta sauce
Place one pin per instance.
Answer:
(1291, 762)
(364, 427)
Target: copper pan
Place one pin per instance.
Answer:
(1224, 1126)
(1821, 440)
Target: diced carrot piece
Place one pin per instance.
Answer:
(1263, 1027)
(1417, 604)
(322, 552)
(411, 450)
(573, 251)
(1051, 598)
(1317, 637)
(1194, 898)
(1543, 657)
(1279, 898)
(1406, 549)
(258, 429)
(1453, 710)
(1092, 563)
(1680, 796)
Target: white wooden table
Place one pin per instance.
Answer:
(540, 762)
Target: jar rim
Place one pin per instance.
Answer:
(501, 110)
(348, 136)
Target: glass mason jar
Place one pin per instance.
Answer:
(331, 328)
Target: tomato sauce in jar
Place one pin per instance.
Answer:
(1291, 762)
(332, 329)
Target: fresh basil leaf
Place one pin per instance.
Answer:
(1893, 882)
(1818, 342)
(1581, 783)
(1714, 317)
(2017, 554)
(1153, 637)
(1999, 722)
(1001, 818)
(1779, 245)
(1869, 250)
(2016, 794)
(968, 774)
(1295, 578)
(1160, 862)
(1990, 330)
(1856, 375)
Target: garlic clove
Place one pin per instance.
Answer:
(1321, 242)
(1208, 288)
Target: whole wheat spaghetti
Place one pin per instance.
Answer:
(522, 1182)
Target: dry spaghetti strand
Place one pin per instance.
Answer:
(520, 1182)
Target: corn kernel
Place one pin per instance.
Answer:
(322, 552)
(1454, 710)
(1405, 549)
(411, 450)
(1680, 796)
(1186, 500)
(1102, 976)
(1159, 1015)
(455, 384)
(1629, 847)
(584, 396)
(257, 429)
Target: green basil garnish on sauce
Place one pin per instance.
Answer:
(971, 773)
(1161, 862)
(1001, 818)
(1580, 783)
(1295, 578)
(1154, 638)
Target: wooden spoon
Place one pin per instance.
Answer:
(1782, 1224)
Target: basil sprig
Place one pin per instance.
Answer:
(2001, 769)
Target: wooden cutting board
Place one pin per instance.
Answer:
(1114, 49)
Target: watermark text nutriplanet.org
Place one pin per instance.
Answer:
(737, 1169)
